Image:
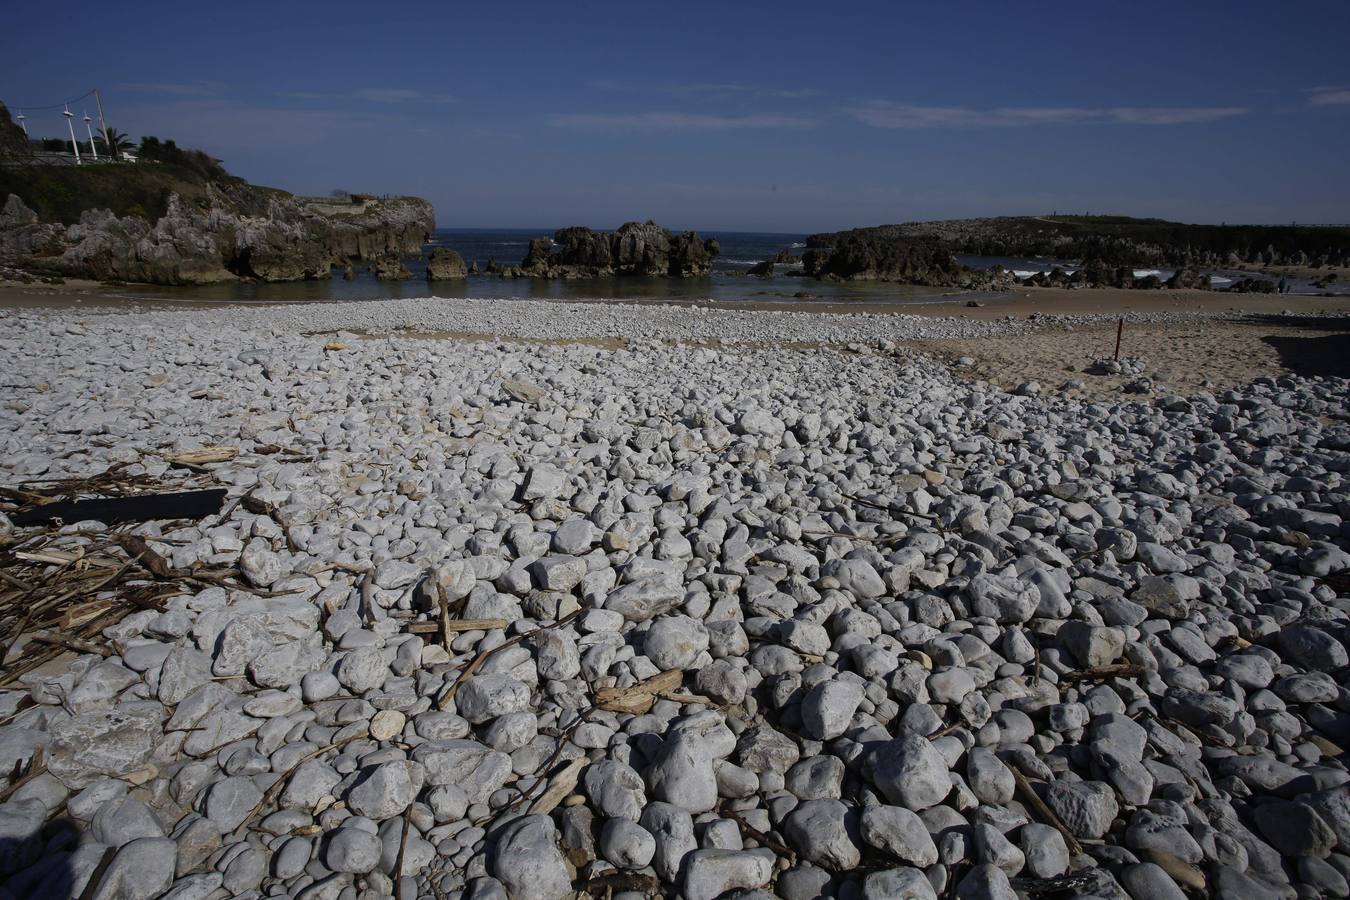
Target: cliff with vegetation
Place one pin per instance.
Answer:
(177, 217)
(1121, 241)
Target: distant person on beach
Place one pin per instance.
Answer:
(1283, 286)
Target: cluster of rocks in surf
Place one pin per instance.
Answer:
(241, 232)
(1096, 274)
(642, 249)
(861, 255)
(885, 590)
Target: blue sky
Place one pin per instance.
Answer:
(778, 116)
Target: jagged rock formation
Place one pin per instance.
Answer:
(1124, 241)
(1251, 286)
(388, 266)
(864, 255)
(239, 233)
(635, 248)
(445, 264)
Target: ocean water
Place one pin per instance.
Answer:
(727, 282)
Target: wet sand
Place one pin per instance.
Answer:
(1181, 357)
(1019, 303)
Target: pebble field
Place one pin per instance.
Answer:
(747, 604)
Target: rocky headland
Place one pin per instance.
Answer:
(237, 233)
(178, 217)
(1116, 241)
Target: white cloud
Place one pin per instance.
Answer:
(396, 96)
(678, 121)
(1173, 115)
(1328, 97)
(401, 95)
(183, 89)
(885, 114)
(724, 89)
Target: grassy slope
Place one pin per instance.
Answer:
(61, 193)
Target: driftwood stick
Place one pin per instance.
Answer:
(1046, 814)
(141, 551)
(96, 877)
(402, 851)
(275, 790)
(481, 658)
(563, 784)
(769, 841)
(36, 766)
(443, 601)
(449, 626)
(70, 643)
(15, 582)
(1101, 673)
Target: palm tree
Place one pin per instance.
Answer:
(114, 142)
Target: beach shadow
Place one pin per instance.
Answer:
(1298, 320)
(1323, 354)
(1326, 354)
(39, 864)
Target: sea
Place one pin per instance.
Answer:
(728, 281)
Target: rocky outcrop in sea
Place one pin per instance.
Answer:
(635, 248)
(865, 255)
(239, 233)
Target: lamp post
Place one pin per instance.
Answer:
(89, 130)
(20, 118)
(74, 145)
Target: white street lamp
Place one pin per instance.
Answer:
(20, 117)
(74, 145)
(89, 130)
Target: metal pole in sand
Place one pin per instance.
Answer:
(1120, 328)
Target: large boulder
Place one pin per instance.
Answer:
(445, 264)
(1190, 279)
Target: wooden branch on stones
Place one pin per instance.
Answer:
(1102, 673)
(448, 697)
(1044, 812)
(448, 626)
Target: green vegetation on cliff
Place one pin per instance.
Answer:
(1120, 240)
(60, 193)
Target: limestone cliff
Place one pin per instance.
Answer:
(236, 232)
